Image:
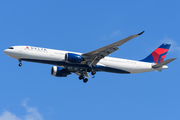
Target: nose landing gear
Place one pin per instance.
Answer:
(20, 64)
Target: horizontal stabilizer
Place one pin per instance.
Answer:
(163, 63)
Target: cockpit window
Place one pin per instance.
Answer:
(10, 48)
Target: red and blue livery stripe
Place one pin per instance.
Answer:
(158, 55)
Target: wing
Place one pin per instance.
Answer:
(93, 57)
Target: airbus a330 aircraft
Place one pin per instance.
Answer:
(67, 62)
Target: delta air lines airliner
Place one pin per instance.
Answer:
(66, 62)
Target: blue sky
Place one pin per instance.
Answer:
(30, 92)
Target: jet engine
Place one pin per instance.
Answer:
(59, 72)
(73, 58)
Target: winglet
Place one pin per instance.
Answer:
(141, 33)
(163, 63)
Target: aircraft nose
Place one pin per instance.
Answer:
(6, 51)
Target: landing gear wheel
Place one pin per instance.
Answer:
(20, 64)
(89, 69)
(85, 80)
(93, 72)
(81, 77)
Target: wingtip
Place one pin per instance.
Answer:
(174, 58)
(141, 33)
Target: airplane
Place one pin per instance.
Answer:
(67, 62)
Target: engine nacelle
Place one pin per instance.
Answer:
(73, 58)
(59, 72)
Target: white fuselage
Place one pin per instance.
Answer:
(57, 57)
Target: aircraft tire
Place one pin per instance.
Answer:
(93, 72)
(85, 80)
(20, 64)
(81, 77)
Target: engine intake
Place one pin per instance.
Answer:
(59, 72)
(73, 58)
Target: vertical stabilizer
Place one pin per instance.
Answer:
(158, 55)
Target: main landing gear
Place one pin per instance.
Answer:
(91, 70)
(20, 64)
(84, 79)
(81, 77)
